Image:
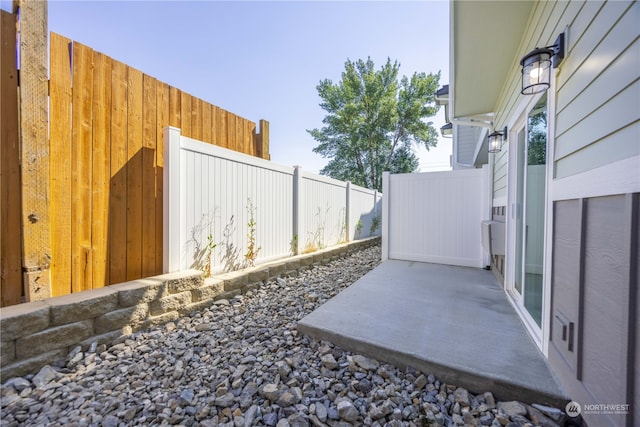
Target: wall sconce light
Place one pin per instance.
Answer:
(447, 130)
(442, 95)
(536, 66)
(496, 140)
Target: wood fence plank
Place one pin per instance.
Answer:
(134, 174)
(34, 142)
(162, 103)
(264, 139)
(118, 187)
(214, 125)
(175, 100)
(101, 168)
(185, 114)
(221, 120)
(206, 123)
(231, 132)
(81, 173)
(249, 132)
(60, 166)
(149, 141)
(196, 118)
(10, 190)
(241, 145)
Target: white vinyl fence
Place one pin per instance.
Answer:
(435, 217)
(212, 195)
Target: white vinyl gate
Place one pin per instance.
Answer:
(435, 217)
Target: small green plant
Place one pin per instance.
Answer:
(252, 249)
(318, 235)
(375, 223)
(293, 245)
(209, 253)
(359, 228)
(202, 252)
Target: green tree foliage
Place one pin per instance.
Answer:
(374, 120)
(537, 150)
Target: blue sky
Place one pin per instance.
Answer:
(263, 60)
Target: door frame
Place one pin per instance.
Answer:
(540, 335)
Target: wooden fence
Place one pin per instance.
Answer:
(10, 191)
(105, 167)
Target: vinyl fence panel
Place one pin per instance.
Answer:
(218, 203)
(435, 217)
(324, 212)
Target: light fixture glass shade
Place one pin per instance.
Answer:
(536, 71)
(447, 130)
(495, 141)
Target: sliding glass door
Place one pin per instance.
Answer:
(531, 160)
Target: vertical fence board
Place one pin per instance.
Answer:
(149, 177)
(36, 242)
(118, 187)
(81, 174)
(60, 168)
(10, 202)
(231, 131)
(185, 113)
(134, 174)
(206, 123)
(196, 118)
(175, 98)
(264, 140)
(215, 125)
(162, 114)
(249, 136)
(101, 168)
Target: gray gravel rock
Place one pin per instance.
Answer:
(242, 362)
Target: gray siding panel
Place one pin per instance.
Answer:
(565, 282)
(606, 265)
(620, 145)
(598, 88)
(633, 377)
(594, 287)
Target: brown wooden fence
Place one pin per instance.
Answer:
(105, 166)
(10, 189)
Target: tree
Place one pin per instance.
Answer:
(374, 121)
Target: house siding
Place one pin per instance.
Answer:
(599, 83)
(594, 289)
(594, 106)
(539, 32)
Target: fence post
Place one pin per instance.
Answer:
(375, 202)
(297, 207)
(347, 226)
(171, 201)
(10, 189)
(35, 149)
(264, 140)
(386, 196)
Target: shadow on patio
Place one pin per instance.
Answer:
(454, 322)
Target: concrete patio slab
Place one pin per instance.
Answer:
(454, 322)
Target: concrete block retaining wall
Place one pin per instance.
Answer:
(43, 332)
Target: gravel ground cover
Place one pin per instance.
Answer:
(241, 362)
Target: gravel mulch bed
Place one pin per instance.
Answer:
(242, 362)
